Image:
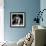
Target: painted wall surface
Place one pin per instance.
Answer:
(28, 6)
(43, 6)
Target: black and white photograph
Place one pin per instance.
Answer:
(17, 19)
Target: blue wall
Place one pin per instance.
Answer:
(28, 6)
(43, 6)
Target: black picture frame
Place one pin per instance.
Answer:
(17, 19)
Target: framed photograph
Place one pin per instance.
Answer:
(17, 19)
